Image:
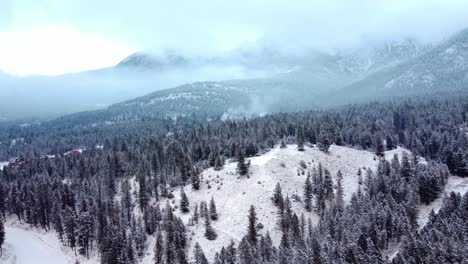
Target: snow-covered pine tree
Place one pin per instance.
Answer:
(252, 227)
(196, 181)
(210, 233)
(184, 202)
(198, 255)
(213, 213)
(2, 235)
(308, 193)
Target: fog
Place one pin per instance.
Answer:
(48, 97)
(207, 26)
(193, 29)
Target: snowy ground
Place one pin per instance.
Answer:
(454, 184)
(234, 195)
(25, 245)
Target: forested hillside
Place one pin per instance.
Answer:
(117, 197)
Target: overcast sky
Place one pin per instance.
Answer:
(58, 36)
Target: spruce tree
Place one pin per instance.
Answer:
(159, 248)
(210, 233)
(328, 185)
(196, 181)
(184, 202)
(2, 235)
(219, 163)
(198, 255)
(300, 139)
(308, 192)
(324, 142)
(277, 195)
(339, 192)
(213, 212)
(379, 149)
(252, 228)
(242, 166)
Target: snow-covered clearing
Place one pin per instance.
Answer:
(454, 184)
(234, 195)
(25, 245)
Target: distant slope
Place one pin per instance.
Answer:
(298, 85)
(441, 69)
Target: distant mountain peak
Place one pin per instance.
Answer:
(143, 60)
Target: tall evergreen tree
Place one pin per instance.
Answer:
(198, 255)
(213, 212)
(308, 193)
(242, 166)
(2, 235)
(184, 202)
(252, 228)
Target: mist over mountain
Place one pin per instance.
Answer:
(245, 81)
(300, 83)
(139, 74)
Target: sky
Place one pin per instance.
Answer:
(52, 37)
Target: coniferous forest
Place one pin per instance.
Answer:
(103, 183)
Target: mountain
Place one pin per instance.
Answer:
(244, 81)
(299, 81)
(146, 61)
(443, 68)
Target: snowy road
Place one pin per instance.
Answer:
(28, 248)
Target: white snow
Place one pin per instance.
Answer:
(3, 164)
(25, 245)
(454, 184)
(234, 195)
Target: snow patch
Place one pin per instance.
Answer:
(454, 184)
(26, 245)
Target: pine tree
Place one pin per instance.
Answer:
(283, 144)
(71, 228)
(252, 229)
(198, 255)
(184, 202)
(379, 149)
(316, 252)
(308, 192)
(324, 142)
(210, 233)
(143, 191)
(328, 185)
(213, 213)
(339, 192)
(196, 215)
(242, 166)
(85, 233)
(245, 251)
(219, 163)
(196, 181)
(159, 249)
(2, 235)
(277, 195)
(300, 138)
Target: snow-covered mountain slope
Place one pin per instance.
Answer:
(296, 83)
(441, 69)
(234, 194)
